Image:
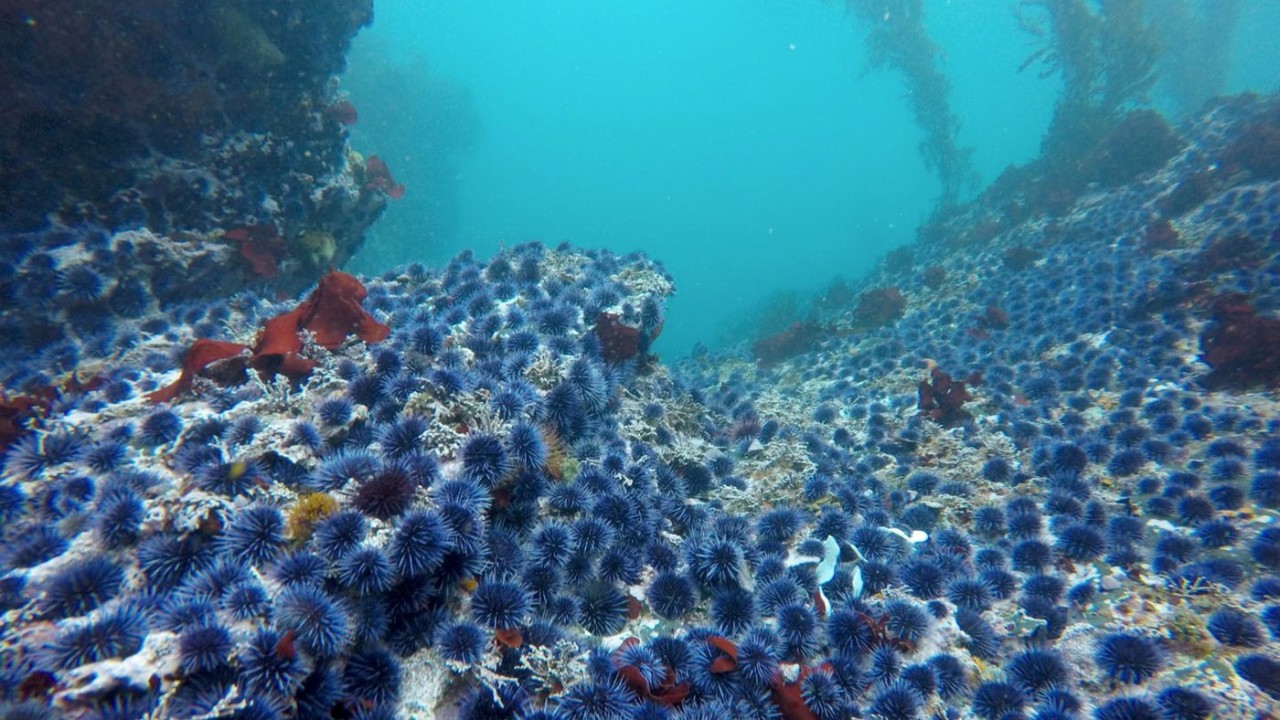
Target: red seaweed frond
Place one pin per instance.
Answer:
(377, 176)
(1242, 347)
(797, 338)
(1256, 149)
(284, 648)
(331, 313)
(343, 112)
(667, 692)
(942, 399)
(1160, 235)
(200, 355)
(618, 341)
(508, 637)
(1021, 257)
(788, 697)
(260, 245)
(728, 662)
(1233, 252)
(994, 318)
(879, 306)
(934, 276)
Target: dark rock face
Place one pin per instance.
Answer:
(138, 137)
(145, 112)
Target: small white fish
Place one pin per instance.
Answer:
(916, 536)
(746, 579)
(830, 558)
(856, 551)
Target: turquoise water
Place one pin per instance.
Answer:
(744, 143)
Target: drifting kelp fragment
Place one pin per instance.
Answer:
(897, 37)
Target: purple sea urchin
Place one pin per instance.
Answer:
(500, 605)
(1128, 658)
(420, 543)
(318, 623)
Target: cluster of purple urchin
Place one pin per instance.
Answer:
(499, 486)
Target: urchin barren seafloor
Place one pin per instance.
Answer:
(1028, 467)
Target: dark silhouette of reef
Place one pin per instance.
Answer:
(1257, 150)
(156, 153)
(797, 338)
(183, 119)
(879, 306)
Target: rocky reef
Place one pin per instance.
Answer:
(1028, 468)
(1033, 476)
(1078, 398)
(151, 153)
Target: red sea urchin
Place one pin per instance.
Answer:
(387, 494)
